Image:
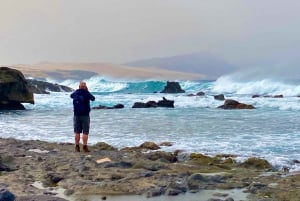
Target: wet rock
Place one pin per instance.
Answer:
(117, 106)
(162, 156)
(220, 97)
(5, 195)
(257, 163)
(201, 159)
(165, 103)
(152, 104)
(172, 87)
(200, 93)
(154, 192)
(104, 146)
(121, 164)
(233, 104)
(149, 145)
(42, 87)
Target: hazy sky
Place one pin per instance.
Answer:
(244, 32)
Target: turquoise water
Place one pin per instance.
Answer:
(271, 131)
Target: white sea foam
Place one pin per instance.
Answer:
(228, 84)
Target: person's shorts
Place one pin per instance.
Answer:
(81, 124)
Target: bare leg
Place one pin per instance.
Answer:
(77, 138)
(85, 138)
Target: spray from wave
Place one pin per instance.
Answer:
(258, 81)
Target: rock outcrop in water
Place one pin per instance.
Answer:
(172, 87)
(14, 90)
(161, 103)
(42, 87)
(233, 104)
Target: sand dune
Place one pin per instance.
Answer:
(75, 71)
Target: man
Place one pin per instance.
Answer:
(81, 120)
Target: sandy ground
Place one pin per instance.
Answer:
(107, 70)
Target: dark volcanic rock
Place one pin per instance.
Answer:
(161, 103)
(219, 97)
(117, 106)
(233, 104)
(42, 87)
(172, 87)
(14, 90)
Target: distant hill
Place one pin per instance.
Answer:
(78, 71)
(201, 63)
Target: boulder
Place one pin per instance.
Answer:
(172, 87)
(14, 90)
(233, 104)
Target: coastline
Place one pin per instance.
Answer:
(141, 172)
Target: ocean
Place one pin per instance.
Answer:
(271, 131)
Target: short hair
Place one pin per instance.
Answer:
(82, 85)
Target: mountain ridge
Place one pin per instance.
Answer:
(204, 63)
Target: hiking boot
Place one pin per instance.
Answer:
(85, 148)
(77, 148)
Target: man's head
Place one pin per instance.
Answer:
(82, 85)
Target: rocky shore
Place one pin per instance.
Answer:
(44, 171)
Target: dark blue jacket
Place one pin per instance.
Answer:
(81, 102)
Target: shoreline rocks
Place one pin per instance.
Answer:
(14, 90)
(141, 170)
(42, 87)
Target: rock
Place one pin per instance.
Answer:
(121, 164)
(166, 144)
(165, 103)
(139, 105)
(201, 159)
(14, 90)
(233, 104)
(5, 195)
(219, 97)
(161, 103)
(154, 192)
(42, 87)
(149, 145)
(104, 146)
(117, 106)
(256, 163)
(278, 96)
(159, 155)
(200, 93)
(172, 87)
(255, 96)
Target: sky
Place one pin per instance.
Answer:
(246, 33)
